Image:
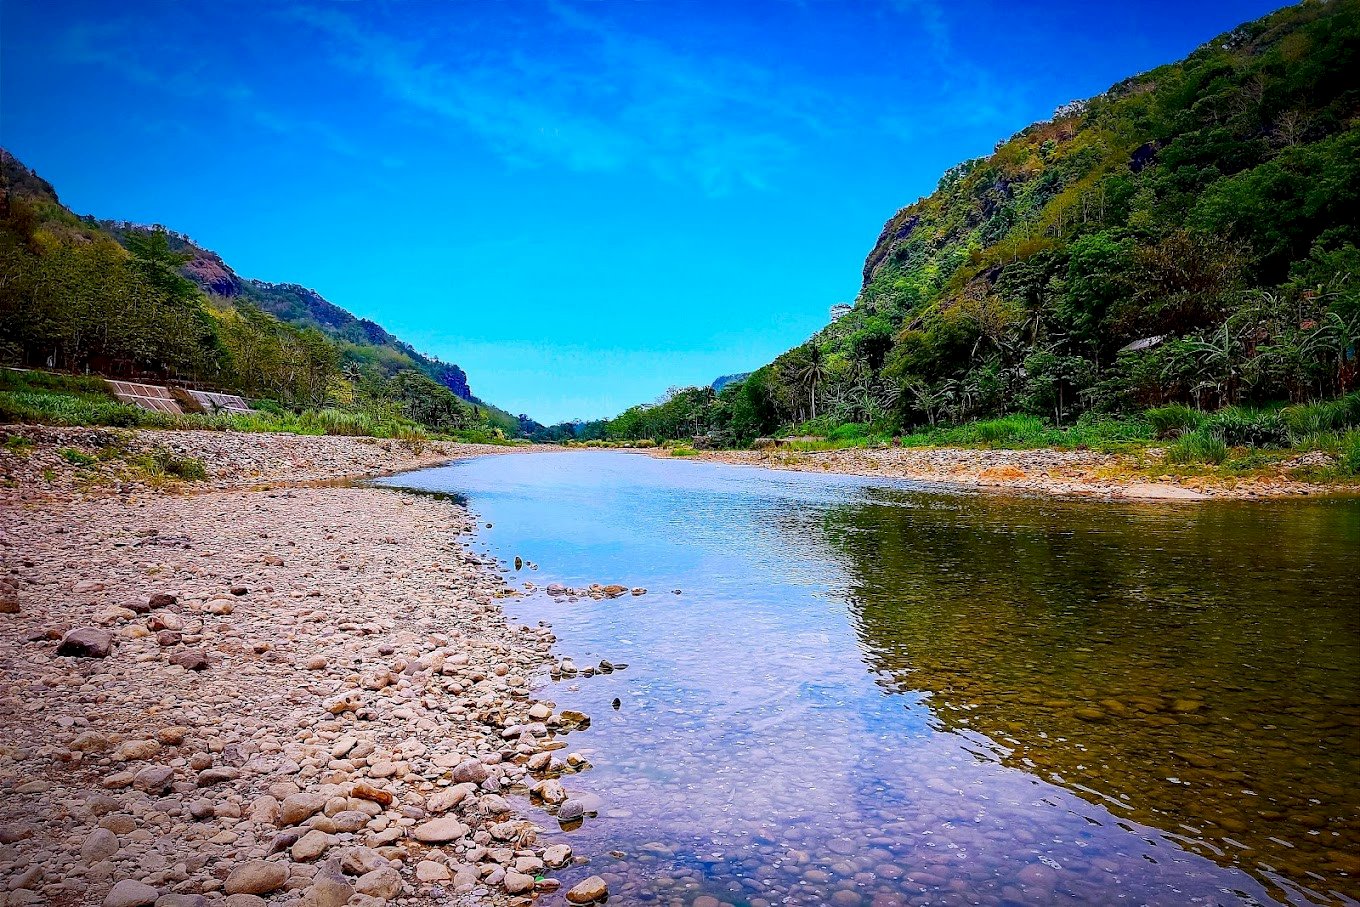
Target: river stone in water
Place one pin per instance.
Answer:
(589, 891)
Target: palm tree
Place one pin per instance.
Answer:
(812, 371)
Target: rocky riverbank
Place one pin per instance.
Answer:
(1068, 473)
(38, 461)
(299, 695)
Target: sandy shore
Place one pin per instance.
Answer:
(1067, 473)
(308, 695)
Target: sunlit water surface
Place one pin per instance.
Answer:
(869, 693)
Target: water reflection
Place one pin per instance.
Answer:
(1193, 669)
(1036, 673)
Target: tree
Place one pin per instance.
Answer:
(810, 371)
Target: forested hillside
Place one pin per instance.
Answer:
(362, 342)
(1188, 237)
(80, 294)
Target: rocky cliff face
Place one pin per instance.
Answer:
(209, 271)
(896, 231)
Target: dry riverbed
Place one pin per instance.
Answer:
(220, 692)
(1076, 473)
(39, 462)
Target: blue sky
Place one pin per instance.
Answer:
(582, 204)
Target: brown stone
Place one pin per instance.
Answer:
(86, 642)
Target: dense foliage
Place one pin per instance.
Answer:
(80, 295)
(1188, 237)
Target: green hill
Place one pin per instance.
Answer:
(143, 302)
(1187, 237)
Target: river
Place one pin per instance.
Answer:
(852, 691)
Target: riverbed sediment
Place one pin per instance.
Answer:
(246, 686)
(1046, 471)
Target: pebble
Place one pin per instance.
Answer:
(258, 700)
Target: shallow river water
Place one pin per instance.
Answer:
(873, 693)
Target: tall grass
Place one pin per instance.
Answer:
(1197, 447)
(1330, 415)
(1348, 454)
(1028, 432)
(1171, 421)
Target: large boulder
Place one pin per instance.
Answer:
(298, 808)
(328, 889)
(191, 659)
(99, 845)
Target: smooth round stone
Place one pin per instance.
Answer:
(130, 893)
(440, 831)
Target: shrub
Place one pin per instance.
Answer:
(1237, 426)
(190, 469)
(1173, 420)
(76, 457)
(57, 408)
(1196, 447)
(161, 462)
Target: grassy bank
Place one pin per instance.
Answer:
(1174, 440)
(45, 398)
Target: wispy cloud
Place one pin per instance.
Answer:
(592, 88)
(110, 45)
(113, 46)
(598, 98)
